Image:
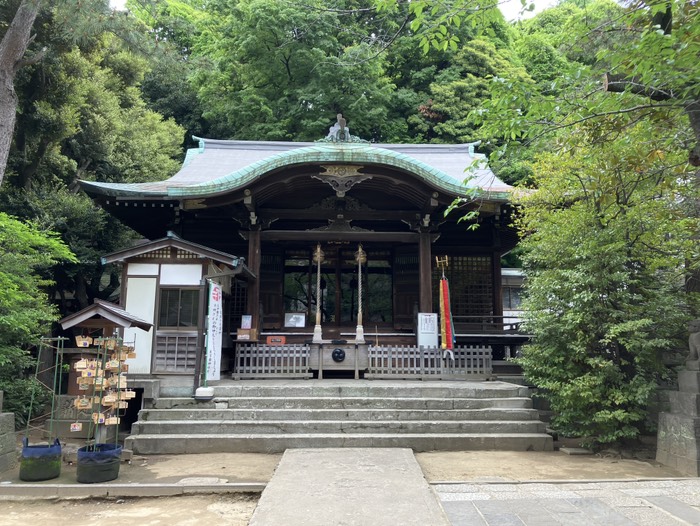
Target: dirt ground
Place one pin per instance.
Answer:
(236, 509)
(231, 509)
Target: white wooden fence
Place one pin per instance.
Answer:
(466, 362)
(272, 361)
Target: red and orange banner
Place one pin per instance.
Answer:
(446, 329)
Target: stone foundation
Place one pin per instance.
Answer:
(8, 442)
(678, 442)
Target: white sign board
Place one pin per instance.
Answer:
(215, 324)
(428, 329)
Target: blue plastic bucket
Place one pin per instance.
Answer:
(98, 463)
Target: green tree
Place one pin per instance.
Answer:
(607, 242)
(27, 253)
(611, 225)
(460, 89)
(281, 70)
(13, 47)
(77, 19)
(82, 117)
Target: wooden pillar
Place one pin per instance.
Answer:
(496, 279)
(497, 286)
(253, 263)
(201, 321)
(425, 289)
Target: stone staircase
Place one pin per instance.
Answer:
(271, 416)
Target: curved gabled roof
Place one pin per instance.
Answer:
(218, 167)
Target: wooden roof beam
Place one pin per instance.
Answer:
(330, 236)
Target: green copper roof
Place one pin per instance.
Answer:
(323, 153)
(221, 166)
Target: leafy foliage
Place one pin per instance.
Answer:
(82, 117)
(26, 254)
(606, 251)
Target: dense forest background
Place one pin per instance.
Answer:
(116, 96)
(591, 106)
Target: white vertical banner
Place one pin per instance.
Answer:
(215, 322)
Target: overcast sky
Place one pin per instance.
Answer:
(511, 8)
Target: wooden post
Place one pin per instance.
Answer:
(425, 289)
(253, 263)
(201, 328)
(497, 287)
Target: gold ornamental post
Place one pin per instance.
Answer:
(361, 258)
(319, 256)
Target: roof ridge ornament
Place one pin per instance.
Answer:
(340, 132)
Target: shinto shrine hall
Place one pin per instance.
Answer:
(326, 253)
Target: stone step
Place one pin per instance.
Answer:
(271, 416)
(369, 389)
(275, 443)
(381, 414)
(273, 402)
(232, 427)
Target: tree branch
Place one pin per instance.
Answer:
(36, 57)
(621, 84)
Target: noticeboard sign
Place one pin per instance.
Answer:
(428, 329)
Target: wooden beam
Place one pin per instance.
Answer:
(329, 236)
(350, 215)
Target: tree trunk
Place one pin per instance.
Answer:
(12, 49)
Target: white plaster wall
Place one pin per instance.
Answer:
(142, 269)
(180, 274)
(141, 302)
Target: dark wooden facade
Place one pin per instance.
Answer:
(274, 203)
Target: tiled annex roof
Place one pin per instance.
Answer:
(219, 166)
(110, 312)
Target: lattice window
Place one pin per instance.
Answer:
(406, 264)
(271, 263)
(406, 278)
(271, 293)
(161, 253)
(471, 285)
(235, 306)
(176, 352)
(185, 254)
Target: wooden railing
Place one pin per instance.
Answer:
(272, 361)
(465, 362)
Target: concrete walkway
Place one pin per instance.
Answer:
(348, 487)
(585, 503)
